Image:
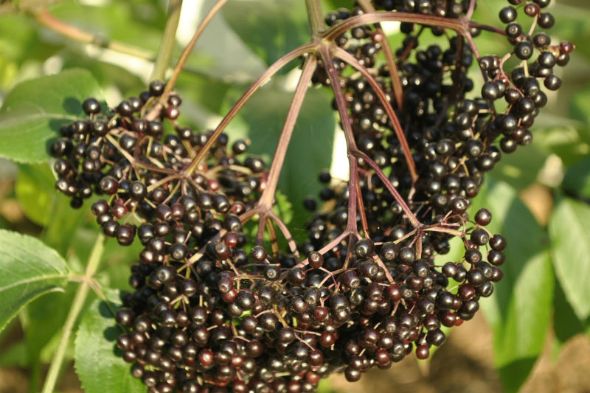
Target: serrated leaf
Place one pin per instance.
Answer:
(570, 244)
(35, 109)
(521, 307)
(28, 269)
(99, 368)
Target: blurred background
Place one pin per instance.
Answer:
(534, 333)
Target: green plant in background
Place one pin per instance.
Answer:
(64, 282)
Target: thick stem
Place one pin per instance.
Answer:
(471, 9)
(270, 71)
(397, 127)
(78, 303)
(283, 144)
(168, 40)
(315, 17)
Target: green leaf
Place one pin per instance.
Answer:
(222, 53)
(577, 179)
(99, 368)
(269, 28)
(283, 207)
(566, 323)
(35, 192)
(28, 269)
(265, 114)
(570, 240)
(580, 109)
(521, 307)
(34, 110)
(43, 319)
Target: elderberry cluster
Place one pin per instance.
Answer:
(220, 304)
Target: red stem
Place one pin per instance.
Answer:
(397, 127)
(309, 68)
(396, 195)
(348, 135)
(272, 70)
(461, 26)
(396, 82)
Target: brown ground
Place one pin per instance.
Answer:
(464, 365)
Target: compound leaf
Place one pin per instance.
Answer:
(34, 111)
(28, 269)
(97, 364)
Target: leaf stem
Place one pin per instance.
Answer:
(76, 308)
(168, 40)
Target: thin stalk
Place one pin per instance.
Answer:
(289, 126)
(265, 77)
(348, 136)
(75, 34)
(185, 55)
(45, 19)
(387, 183)
(396, 83)
(327, 247)
(460, 26)
(397, 127)
(315, 17)
(285, 231)
(168, 40)
(78, 303)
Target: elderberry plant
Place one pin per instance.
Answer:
(225, 298)
(226, 294)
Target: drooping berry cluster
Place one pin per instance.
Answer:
(221, 304)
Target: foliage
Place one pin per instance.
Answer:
(44, 77)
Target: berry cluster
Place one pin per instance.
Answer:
(221, 304)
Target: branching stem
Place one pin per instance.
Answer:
(397, 127)
(396, 83)
(309, 68)
(315, 17)
(346, 121)
(265, 77)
